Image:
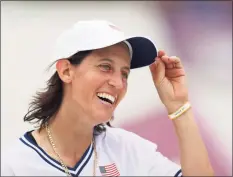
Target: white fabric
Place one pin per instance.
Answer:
(132, 155)
(87, 35)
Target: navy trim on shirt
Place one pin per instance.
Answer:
(177, 173)
(28, 136)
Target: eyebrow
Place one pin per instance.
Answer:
(111, 61)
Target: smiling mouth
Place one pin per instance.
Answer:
(106, 100)
(106, 97)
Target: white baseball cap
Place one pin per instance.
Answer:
(97, 34)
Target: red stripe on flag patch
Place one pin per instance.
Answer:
(109, 170)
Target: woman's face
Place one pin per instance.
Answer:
(99, 83)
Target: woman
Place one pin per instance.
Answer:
(74, 138)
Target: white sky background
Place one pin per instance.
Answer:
(29, 30)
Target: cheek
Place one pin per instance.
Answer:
(86, 86)
(78, 91)
(123, 92)
(125, 85)
(125, 88)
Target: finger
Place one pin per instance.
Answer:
(172, 62)
(154, 65)
(176, 61)
(175, 72)
(167, 62)
(161, 53)
(157, 70)
(169, 66)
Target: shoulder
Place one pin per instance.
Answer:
(16, 149)
(125, 135)
(12, 148)
(139, 153)
(128, 150)
(9, 155)
(127, 139)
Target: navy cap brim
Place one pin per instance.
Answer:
(144, 52)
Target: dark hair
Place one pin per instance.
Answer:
(46, 103)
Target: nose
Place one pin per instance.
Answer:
(116, 81)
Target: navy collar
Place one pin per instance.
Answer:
(29, 141)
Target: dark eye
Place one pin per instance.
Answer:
(105, 67)
(125, 75)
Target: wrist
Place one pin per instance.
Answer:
(174, 106)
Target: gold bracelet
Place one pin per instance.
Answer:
(180, 111)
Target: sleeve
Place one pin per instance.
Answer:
(158, 165)
(141, 157)
(162, 166)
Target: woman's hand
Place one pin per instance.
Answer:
(169, 79)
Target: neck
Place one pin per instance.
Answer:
(71, 133)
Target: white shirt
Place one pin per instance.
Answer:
(120, 153)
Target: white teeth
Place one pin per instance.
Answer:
(107, 96)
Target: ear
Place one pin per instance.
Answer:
(64, 70)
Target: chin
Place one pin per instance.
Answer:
(102, 118)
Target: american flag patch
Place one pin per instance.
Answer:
(109, 170)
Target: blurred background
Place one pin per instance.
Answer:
(200, 33)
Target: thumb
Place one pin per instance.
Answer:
(158, 71)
